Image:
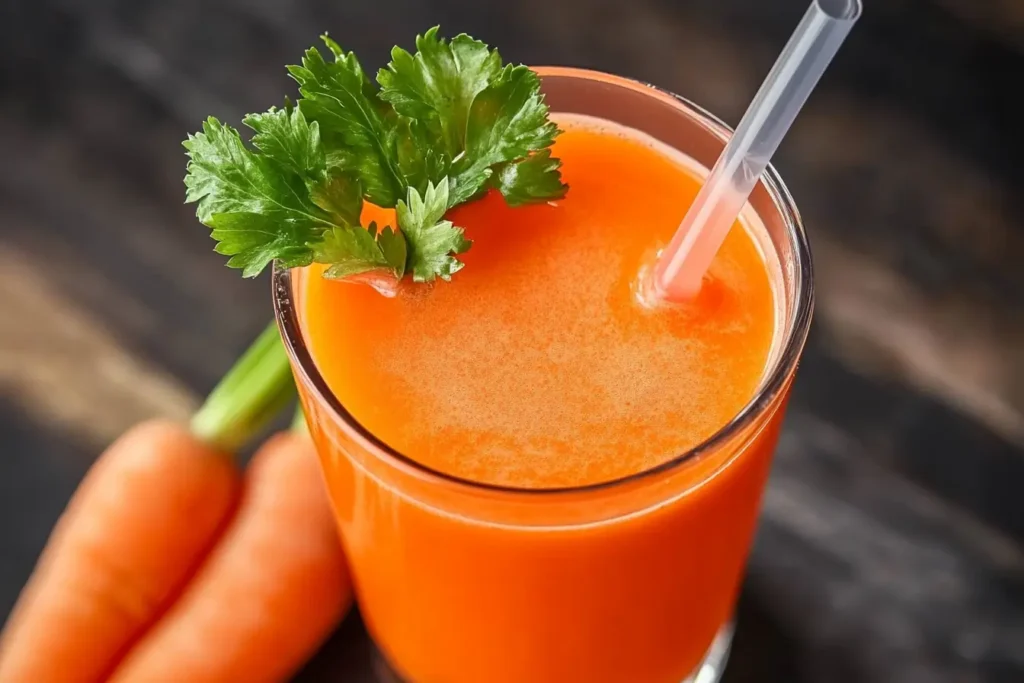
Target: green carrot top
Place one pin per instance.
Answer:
(445, 125)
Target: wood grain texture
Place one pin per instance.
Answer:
(891, 544)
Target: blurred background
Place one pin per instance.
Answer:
(892, 542)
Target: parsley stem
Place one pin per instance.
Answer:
(248, 397)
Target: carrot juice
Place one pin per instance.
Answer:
(539, 475)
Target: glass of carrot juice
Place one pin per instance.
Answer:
(539, 476)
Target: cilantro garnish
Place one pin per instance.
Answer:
(447, 123)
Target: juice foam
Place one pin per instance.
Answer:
(537, 366)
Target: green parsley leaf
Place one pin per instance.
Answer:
(342, 100)
(438, 84)
(253, 240)
(394, 248)
(420, 159)
(351, 250)
(449, 123)
(507, 122)
(432, 241)
(281, 201)
(340, 195)
(531, 180)
(285, 137)
(258, 207)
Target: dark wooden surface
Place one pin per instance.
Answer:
(892, 542)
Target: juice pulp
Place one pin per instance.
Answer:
(538, 367)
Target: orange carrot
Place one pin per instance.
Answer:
(267, 595)
(135, 530)
(140, 524)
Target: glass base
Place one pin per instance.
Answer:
(709, 671)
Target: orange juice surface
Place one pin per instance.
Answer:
(538, 367)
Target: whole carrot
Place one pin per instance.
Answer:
(139, 524)
(269, 592)
(137, 528)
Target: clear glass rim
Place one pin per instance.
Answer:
(782, 368)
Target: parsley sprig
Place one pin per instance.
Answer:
(447, 123)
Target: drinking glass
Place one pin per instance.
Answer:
(626, 581)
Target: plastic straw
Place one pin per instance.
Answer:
(817, 38)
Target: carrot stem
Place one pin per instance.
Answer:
(299, 421)
(253, 392)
